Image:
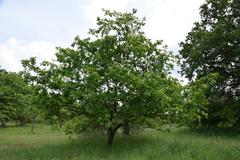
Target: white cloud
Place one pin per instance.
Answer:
(14, 50)
(93, 8)
(171, 20)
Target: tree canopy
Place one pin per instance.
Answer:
(14, 97)
(213, 47)
(115, 76)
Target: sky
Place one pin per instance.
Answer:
(35, 27)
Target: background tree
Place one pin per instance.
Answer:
(47, 96)
(196, 101)
(213, 47)
(14, 98)
(114, 77)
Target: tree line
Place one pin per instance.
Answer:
(119, 78)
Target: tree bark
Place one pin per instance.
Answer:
(111, 133)
(3, 124)
(126, 129)
(22, 123)
(32, 126)
(236, 123)
(110, 136)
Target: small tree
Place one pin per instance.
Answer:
(116, 76)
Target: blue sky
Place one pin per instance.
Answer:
(35, 27)
(51, 20)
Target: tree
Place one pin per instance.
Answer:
(114, 77)
(213, 47)
(195, 100)
(6, 111)
(14, 97)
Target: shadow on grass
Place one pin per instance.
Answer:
(26, 125)
(213, 132)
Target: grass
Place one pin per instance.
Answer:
(17, 143)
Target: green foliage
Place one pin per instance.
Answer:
(14, 97)
(196, 101)
(213, 47)
(116, 75)
(82, 126)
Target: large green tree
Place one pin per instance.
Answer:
(116, 76)
(213, 46)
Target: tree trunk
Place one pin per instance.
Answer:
(110, 136)
(126, 129)
(32, 127)
(112, 132)
(236, 124)
(61, 123)
(22, 123)
(3, 124)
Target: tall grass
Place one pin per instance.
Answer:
(179, 144)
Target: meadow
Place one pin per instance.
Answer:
(17, 143)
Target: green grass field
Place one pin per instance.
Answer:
(17, 143)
